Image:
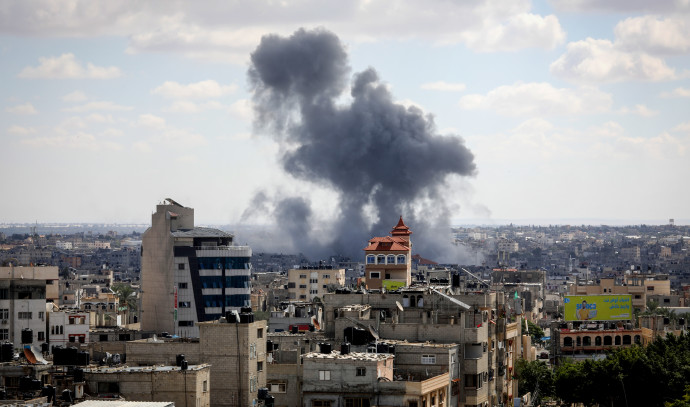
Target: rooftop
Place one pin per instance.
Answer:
(350, 356)
(201, 232)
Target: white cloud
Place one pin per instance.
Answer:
(616, 6)
(66, 66)
(202, 32)
(683, 127)
(596, 61)
(184, 106)
(444, 86)
(76, 96)
(654, 35)
(21, 131)
(142, 147)
(151, 121)
(208, 89)
(77, 140)
(677, 93)
(99, 105)
(539, 99)
(24, 109)
(100, 118)
(640, 110)
(242, 109)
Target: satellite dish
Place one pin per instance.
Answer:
(373, 333)
(400, 307)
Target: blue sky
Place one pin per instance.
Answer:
(574, 109)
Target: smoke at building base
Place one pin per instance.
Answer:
(382, 159)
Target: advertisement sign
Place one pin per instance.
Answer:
(392, 285)
(607, 307)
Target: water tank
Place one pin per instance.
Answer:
(230, 317)
(263, 393)
(269, 401)
(344, 348)
(78, 375)
(246, 310)
(325, 347)
(246, 318)
(83, 358)
(184, 365)
(44, 347)
(178, 360)
(27, 335)
(6, 352)
(67, 395)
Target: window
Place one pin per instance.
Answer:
(41, 336)
(361, 371)
(473, 381)
(125, 337)
(260, 333)
(252, 351)
(302, 286)
(324, 375)
(650, 288)
(252, 384)
(5, 293)
(103, 338)
(381, 259)
(185, 323)
(402, 259)
(184, 304)
(371, 259)
(375, 274)
(278, 387)
(180, 266)
(204, 386)
(428, 359)
(41, 315)
(326, 276)
(4, 334)
(313, 291)
(302, 297)
(4, 313)
(182, 286)
(390, 259)
(71, 338)
(356, 402)
(313, 280)
(259, 366)
(24, 315)
(302, 276)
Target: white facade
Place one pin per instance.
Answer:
(65, 328)
(63, 245)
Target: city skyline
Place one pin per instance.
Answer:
(572, 110)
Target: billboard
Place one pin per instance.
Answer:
(608, 307)
(392, 285)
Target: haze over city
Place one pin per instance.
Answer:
(549, 112)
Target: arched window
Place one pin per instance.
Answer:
(607, 341)
(381, 259)
(637, 339)
(597, 341)
(627, 340)
(402, 259)
(618, 340)
(390, 259)
(567, 342)
(371, 259)
(413, 301)
(587, 341)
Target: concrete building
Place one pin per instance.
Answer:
(23, 295)
(389, 259)
(639, 286)
(306, 283)
(67, 327)
(184, 387)
(189, 274)
(236, 352)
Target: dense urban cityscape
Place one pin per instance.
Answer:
(180, 313)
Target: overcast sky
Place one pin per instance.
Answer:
(575, 110)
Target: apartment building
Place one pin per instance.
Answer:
(389, 259)
(189, 274)
(639, 286)
(23, 295)
(307, 282)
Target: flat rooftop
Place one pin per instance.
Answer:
(336, 355)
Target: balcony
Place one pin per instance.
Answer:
(476, 334)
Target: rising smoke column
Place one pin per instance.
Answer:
(373, 152)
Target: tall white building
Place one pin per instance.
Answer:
(189, 274)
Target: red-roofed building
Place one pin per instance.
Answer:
(388, 258)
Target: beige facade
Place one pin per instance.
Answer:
(389, 259)
(235, 351)
(639, 286)
(306, 283)
(188, 387)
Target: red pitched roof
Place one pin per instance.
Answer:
(387, 243)
(401, 229)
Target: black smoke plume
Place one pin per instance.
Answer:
(382, 158)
